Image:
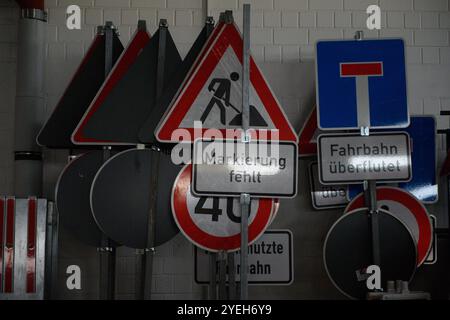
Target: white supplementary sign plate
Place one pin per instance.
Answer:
(270, 260)
(230, 168)
(352, 158)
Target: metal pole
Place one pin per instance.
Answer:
(245, 205)
(246, 70)
(139, 274)
(371, 203)
(212, 290)
(245, 197)
(140, 259)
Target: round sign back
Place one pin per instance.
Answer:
(213, 223)
(72, 197)
(120, 197)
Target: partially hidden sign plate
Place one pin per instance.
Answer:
(270, 260)
(230, 167)
(352, 158)
(212, 94)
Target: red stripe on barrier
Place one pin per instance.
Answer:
(2, 219)
(31, 246)
(9, 245)
(361, 69)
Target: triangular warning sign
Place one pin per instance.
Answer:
(79, 94)
(212, 94)
(307, 140)
(128, 95)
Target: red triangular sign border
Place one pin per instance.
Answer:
(228, 35)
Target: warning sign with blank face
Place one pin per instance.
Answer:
(212, 94)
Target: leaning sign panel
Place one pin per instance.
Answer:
(352, 158)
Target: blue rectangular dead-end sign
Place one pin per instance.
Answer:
(361, 83)
(423, 185)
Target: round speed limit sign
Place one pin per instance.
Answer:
(213, 223)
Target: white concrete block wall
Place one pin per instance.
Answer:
(283, 35)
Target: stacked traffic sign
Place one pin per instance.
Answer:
(361, 85)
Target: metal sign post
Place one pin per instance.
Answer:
(107, 256)
(245, 197)
(370, 194)
(144, 257)
(222, 275)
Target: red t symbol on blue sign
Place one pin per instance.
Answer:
(361, 71)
